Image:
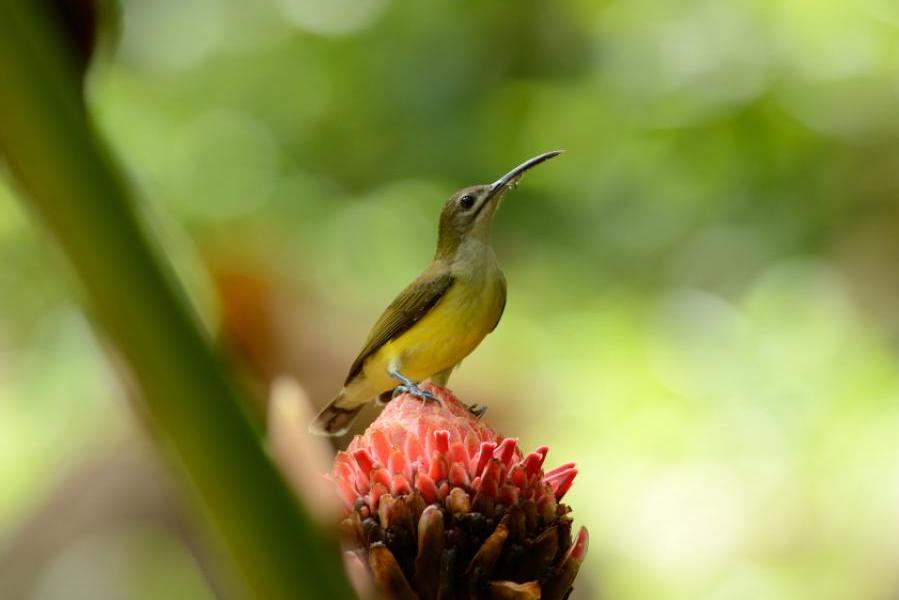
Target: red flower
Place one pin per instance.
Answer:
(440, 505)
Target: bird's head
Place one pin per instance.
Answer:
(469, 212)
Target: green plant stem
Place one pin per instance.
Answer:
(75, 188)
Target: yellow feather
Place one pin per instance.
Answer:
(442, 338)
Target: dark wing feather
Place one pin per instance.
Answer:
(406, 310)
(502, 293)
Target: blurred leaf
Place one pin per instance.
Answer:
(73, 185)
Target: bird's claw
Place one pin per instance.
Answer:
(414, 390)
(477, 410)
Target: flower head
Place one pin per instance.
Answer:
(440, 505)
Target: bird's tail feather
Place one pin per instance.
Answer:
(335, 420)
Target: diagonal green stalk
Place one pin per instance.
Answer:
(74, 186)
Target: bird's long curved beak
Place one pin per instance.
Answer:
(515, 174)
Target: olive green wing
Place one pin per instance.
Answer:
(502, 293)
(406, 310)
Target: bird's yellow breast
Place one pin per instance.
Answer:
(445, 335)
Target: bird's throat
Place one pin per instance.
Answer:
(474, 258)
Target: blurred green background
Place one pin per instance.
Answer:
(702, 291)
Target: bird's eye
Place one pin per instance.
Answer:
(466, 201)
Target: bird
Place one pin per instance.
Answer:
(439, 318)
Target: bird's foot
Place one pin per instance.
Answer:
(408, 386)
(476, 410)
(414, 390)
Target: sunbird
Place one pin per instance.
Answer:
(440, 317)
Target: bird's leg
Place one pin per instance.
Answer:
(476, 410)
(408, 386)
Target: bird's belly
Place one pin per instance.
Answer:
(441, 339)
